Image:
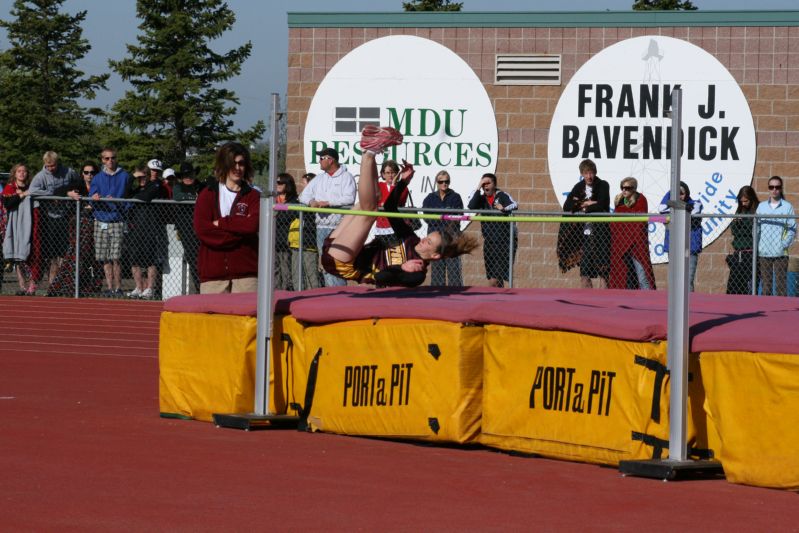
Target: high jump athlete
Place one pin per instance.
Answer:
(405, 264)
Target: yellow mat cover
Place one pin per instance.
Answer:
(414, 379)
(753, 401)
(207, 364)
(572, 396)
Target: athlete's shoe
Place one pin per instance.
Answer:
(375, 139)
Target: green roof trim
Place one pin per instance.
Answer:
(542, 19)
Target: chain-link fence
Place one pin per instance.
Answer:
(149, 251)
(104, 248)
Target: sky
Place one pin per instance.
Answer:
(111, 24)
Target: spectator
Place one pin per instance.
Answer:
(146, 239)
(496, 235)
(740, 260)
(111, 182)
(389, 171)
(695, 208)
(138, 179)
(630, 265)
(226, 222)
(590, 195)
(18, 242)
(53, 218)
(776, 237)
(447, 271)
(335, 187)
(309, 255)
(187, 189)
(91, 279)
(169, 180)
(286, 193)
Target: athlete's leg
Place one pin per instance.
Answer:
(352, 232)
(350, 235)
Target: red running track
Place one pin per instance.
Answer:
(82, 448)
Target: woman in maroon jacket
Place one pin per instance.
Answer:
(226, 223)
(630, 266)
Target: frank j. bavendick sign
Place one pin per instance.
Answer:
(616, 110)
(421, 88)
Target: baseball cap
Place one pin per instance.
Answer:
(328, 152)
(168, 173)
(154, 164)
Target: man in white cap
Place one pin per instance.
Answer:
(169, 180)
(334, 187)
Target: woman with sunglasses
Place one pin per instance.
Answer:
(446, 272)
(630, 266)
(91, 277)
(345, 253)
(776, 237)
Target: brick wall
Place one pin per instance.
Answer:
(764, 61)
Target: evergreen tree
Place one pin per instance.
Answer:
(432, 5)
(663, 5)
(40, 85)
(177, 108)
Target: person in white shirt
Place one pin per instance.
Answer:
(775, 239)
(334, 187)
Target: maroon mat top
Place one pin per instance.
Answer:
(718, 321)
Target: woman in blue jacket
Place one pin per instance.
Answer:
(695, 208)
(446, 271)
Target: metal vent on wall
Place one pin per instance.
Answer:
(524, 69)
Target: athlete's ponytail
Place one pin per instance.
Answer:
(453, 245)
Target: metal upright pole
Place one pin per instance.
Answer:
(77, 248)
(755, 244)
(510, 254)
(266, 273)
(301, 261)
(677, 329)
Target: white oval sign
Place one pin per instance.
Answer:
(421, 88)
(615, 111)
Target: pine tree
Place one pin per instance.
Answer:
(40, 85)
(432, 5)
(663, 5)
(178, 107)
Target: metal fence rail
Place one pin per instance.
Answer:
(158, 251)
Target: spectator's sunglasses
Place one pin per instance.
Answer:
(89, 172)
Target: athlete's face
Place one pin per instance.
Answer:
(428, 247)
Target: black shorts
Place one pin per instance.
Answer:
(54, 236)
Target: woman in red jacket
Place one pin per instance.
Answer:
(630, 266)
(226, 223)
